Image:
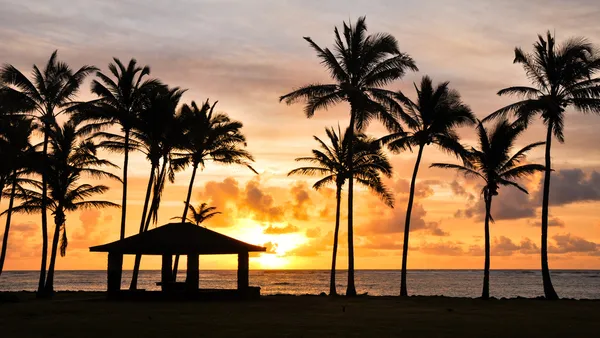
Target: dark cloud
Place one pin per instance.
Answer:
(571, 186)
(442, 249)
(300, 194)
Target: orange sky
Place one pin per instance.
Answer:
(246, 56)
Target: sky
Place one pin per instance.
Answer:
(246, 54)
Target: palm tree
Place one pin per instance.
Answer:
(69, 161)
(15, 150)
(360, 66)
(51, 93)
(431, 119)
(493, 163)
(155, 136)
(199, 215)
(209, 137)
(331, 161)
(120, 102)
(562, 77)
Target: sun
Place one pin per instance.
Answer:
(250, 231)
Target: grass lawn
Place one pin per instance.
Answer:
(84, 314)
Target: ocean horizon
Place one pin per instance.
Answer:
(577, 284)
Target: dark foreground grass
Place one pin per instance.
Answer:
(85, 314)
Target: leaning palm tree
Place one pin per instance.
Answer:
(208, 137)
(360, 66)
(51, 92)
(120, 102)
(431, 119)
(562, 77)
(493, 164)
(155, 138)
(199, 215)
(16, 151)
(69, 161)
(331, 161)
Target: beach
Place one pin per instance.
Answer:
(88, 314)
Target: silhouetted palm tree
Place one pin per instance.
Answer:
(431, 119)
(51, 93)
(562, 77)
(199, 215)
(331, 161)
(120, 102)
(156, 133)
(208, 137)
(493, 163)
(69, 161)
(15, 151)
(360, 65)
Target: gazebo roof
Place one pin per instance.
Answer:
(178, 239)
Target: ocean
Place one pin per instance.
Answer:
(579, 284)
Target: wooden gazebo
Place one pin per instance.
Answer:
(177, 239)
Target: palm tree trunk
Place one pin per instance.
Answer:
(42, 280)
(547, 281)
(351, 289)
(160, 181)
(58, 221)
(486, 268)
(2, 183)
(411, 197)
(185, 209)
(338, 199)
(124, 199)
(8, 217)
(138, 258)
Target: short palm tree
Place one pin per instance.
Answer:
(431, 119)
(493, 164)
(370, 162)
(69, 161)
(52, 92)
(155, 137)
(16, 152)
(562, 77)
(360, 65)
(200, 214)
(120, 102)
(208, 137)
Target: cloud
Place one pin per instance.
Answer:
(288, 229)
(261, 203)
(24, 241)
(300, 193)
(567, 243)
(571, 186)
(552, 222)
(504, 246)
(442, 249)
(271, 247)
(313, 233)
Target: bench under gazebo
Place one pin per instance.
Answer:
(179, 239)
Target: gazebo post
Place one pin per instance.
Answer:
(114, 272)
(242, 273)
(192, 278)
(166, 271)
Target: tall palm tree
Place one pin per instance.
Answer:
(200, 214)
(69, 162)
(360, 65)
(432, 119)
(155, 136)
(493, 164)
(16, 151)
(51, 92)
(120, 102)
(209, 136)
(331, 161)
(562, 77)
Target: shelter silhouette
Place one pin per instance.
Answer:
(179, 239)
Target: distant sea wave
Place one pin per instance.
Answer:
(579, 284)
